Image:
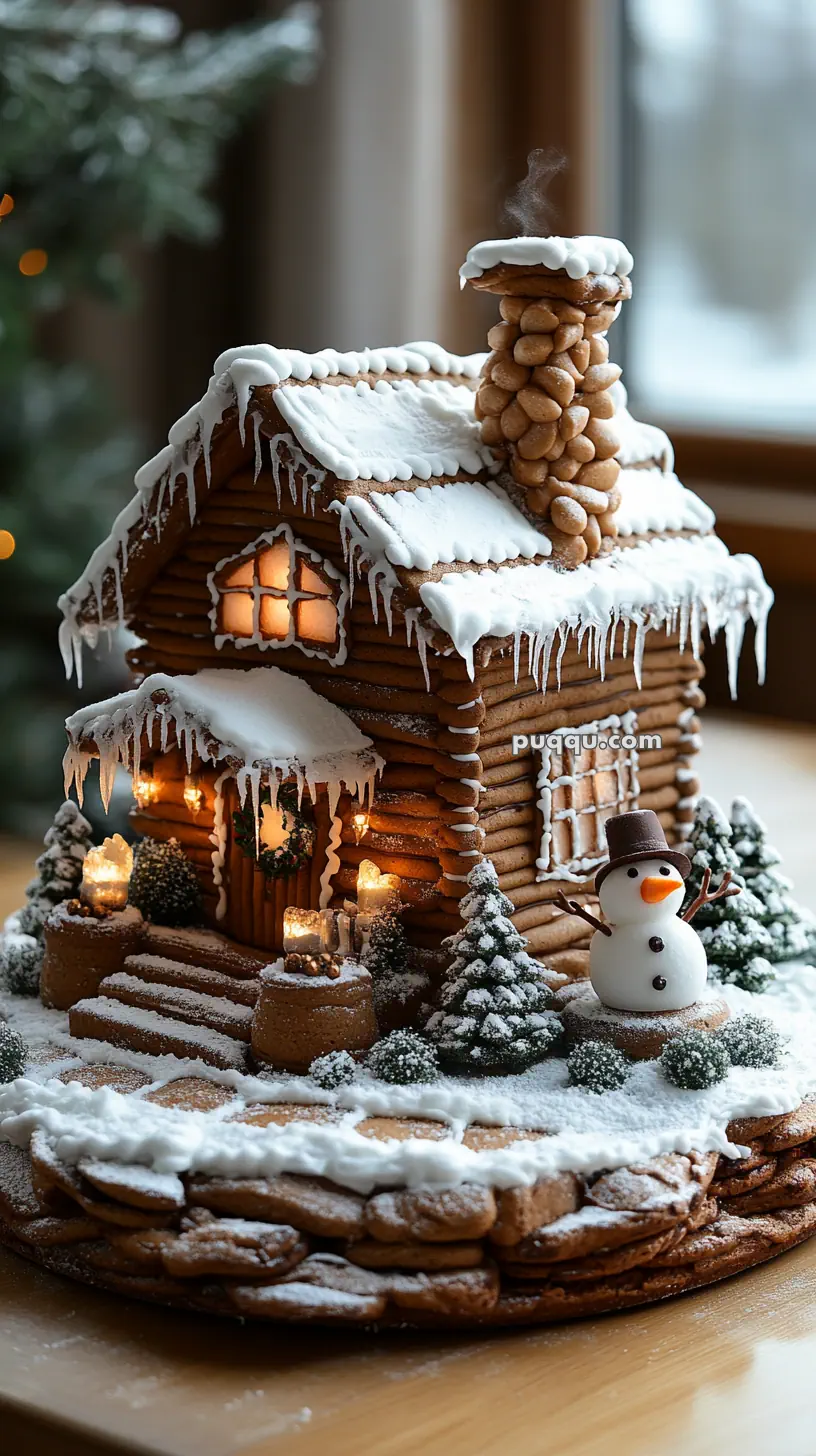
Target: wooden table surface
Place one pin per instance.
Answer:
(724, 1370)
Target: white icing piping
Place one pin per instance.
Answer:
(219, 839)
(332, 861)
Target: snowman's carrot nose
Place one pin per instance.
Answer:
(655, 888)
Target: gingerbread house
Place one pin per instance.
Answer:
(386, 584)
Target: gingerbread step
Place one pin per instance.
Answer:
(163, 971)
(204, 948)
(138, 1030)
(193, 1007)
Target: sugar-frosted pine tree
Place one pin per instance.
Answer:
(736, 942)
(494, 1008)
(59, 872)
(790, 930)
(59, 868)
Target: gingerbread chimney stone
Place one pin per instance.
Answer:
(544, 400)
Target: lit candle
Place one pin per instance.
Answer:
(302, 930)
(106, 871)
(376, 892)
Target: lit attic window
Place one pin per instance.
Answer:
(279, 593)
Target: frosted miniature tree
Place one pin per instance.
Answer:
(59, 868)
(791, 933)
(736, 942)
(494, 1008)
(59, 872)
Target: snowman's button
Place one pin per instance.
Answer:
(656, 944)
(659, 983)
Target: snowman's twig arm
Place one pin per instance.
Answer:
(573, 908)
(723, 890)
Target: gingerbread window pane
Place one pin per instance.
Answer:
(578, 789)
(243, 575)
(275, 618)
(237, 614)
(317, 620)
(311, 582)
(274, 566)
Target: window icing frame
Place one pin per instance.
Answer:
(578, 868)
(339, 596)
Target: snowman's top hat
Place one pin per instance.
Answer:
(635, 836)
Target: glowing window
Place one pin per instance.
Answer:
(280, 593)
(580, 782)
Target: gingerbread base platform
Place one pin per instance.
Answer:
(304, 1249)
(462, 1203)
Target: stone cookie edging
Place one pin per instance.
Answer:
(295, 1248)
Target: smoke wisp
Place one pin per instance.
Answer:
(528, 207)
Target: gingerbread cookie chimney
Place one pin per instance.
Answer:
(544, 399)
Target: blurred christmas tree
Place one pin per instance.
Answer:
(111, 126)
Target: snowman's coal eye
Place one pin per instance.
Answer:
(664, 870)
(632, 873)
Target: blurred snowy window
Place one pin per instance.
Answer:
(722, 197)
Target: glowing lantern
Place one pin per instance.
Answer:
(302, 930)
(145, 790)
(193, 794)
(376, 892)
(359, 823)
(106, 871)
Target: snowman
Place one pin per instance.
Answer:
(644, 956)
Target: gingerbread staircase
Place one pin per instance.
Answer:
(167, 1006)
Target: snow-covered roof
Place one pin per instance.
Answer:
(380, 431)
(399, 430)
(654, 500)
(577, 256)
(263, 723)
(95, 602)
(690, 581)
(639, 442)
(464, 520)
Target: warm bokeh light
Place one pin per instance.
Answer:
(6, 204)
(34, 261)
(7, 545)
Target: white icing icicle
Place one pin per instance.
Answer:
(267, 723)
(646, 586)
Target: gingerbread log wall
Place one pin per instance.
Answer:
(452, 789)
(499, 795)
(381, 686)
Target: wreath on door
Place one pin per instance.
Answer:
(297, 848)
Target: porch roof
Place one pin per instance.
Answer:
(262, 724)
